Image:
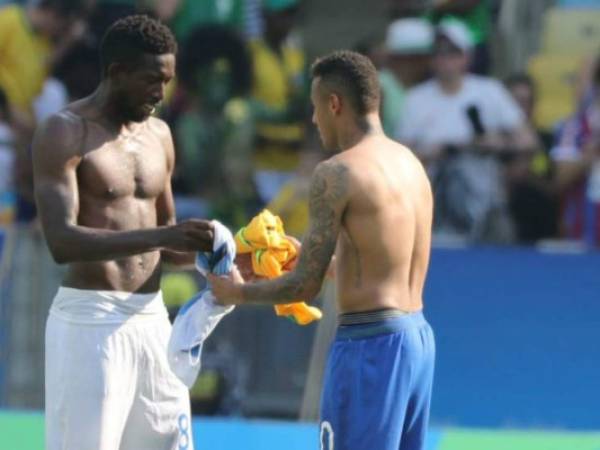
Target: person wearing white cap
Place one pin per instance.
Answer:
(461, 111)
(476, 16)
(408, 46)
(436, 110)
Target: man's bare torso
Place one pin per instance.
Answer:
(120, 176)
(383, 249)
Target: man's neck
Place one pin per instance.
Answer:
(109, 112)
(451, 85)
(358, 129)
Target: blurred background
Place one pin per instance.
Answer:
(500, 99)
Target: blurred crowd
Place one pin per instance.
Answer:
(240, 112)
(240, 115)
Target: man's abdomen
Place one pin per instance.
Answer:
(138, 273)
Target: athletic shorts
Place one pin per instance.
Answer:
(378, 380)
(108, 383)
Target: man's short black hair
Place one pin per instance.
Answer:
(129, 38)
(354, 75)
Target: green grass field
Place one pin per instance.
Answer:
(25, 431)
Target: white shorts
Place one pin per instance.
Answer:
(108, 384)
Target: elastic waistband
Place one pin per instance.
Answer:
(391, 324)
(363, 317)
(109, 294)
(95, 307)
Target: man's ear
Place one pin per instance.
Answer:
(335, 104)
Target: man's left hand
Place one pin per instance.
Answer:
(227, 289)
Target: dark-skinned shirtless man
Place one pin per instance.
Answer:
(371, 205)
(102, 170)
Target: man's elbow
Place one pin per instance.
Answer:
(309, 292)
(61, 252)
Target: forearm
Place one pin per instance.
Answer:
(522, 141)
(78, 243)
(284, 289)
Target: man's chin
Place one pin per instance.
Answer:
(139, 117)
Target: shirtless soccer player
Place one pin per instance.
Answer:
(102, 172)
(371, 205)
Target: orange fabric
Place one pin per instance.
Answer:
(265, 238)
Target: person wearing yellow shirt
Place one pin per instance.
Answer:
(31, 38)
(291, 202)
(280, 92)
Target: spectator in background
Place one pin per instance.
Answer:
(242, 16)
(530, 176)
(105, 13)
(163, 10)
(437, 111)
(280, 92)
(407, 8)
(476, 15)
(408, 46)
(459, 111)
(523, 90)
(291, 203)
(32, 39)
(79, 70)
(7, 163)
(215, 132)
(576, 155)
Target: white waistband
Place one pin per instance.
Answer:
(103, 307)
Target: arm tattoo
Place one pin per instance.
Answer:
(328, 196)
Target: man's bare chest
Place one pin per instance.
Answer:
(125, 167)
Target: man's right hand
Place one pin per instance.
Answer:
(189, 236)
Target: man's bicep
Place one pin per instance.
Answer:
(327, 202)
(317, 250)
(55, 161)
(165, 205)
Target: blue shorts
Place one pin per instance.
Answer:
(377, 386)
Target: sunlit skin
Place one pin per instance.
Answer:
(370, 205)
(104, 196)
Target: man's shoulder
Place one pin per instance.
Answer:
(158, 125)
(58, 139)
(341, 165)
(332, 180)
(334, 163)
(62, 126)
(349, 165)
(160, 129)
